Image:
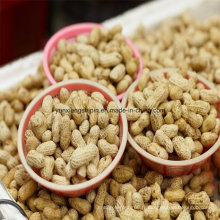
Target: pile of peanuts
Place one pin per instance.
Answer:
(133, 191)
(102, 56)
(183, 42)
(70, 147)
(178, 116)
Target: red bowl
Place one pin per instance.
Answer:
(71, 32)
(82, 188)
(170, 167)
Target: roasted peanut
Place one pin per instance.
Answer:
(122, 173)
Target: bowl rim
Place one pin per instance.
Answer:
(161, 161)
(59, 34)
(91, 182)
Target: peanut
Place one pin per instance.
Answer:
(5, 132)
(50, 213)
(208, 139)
(35, 216)
(83, 155)
(46, 136)
(176, 109)
(47, 105)
(104, 163)
(157, 151)
(145, 193)
(175, 209)
(47, 171)
(142, 82)
(209, 123)
(123, 84)
(112, 111)
(198, 200)
(199, 107)
(61, 180)
(175, 92)
(182, 150)
(139, 100)
(47, 148)
(210, 96)
(209, 188)
(169, 130)
(179, 81)
(103, 119)
(35, 159)
(98, 212)
(142, 141)
(199, 215)
(9, 177)
(66, 154)
(4, 171)
(77, 139)
(155, 191)
(160, 94)
(184, 215)
(174, 195)
(117, 73)
(111, 59)
(107, 149)
(122, 173)
(21, 176)
(27, 190)
(81, 205)
(109, 212)
(212, 211)
(137, 201)
(65, 132)
(201, 179)
(114, 188)
(164, 212)
(73, 213)
(138, 126)
(38, 124)
(164, 140)
(93, 135)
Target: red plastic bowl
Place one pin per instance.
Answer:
(82, 188)
(71, 32)
(170, 167)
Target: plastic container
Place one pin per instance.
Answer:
(69, 33)
(82, 188)
(169, 167)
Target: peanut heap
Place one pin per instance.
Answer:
(182, 42)
(102, 56)
(72, 137)
(132, 192)
(178, 117)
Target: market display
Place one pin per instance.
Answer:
(133, 191)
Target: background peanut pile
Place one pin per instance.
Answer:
(132, 192)
(68, 146)
(182, 117)
(184, 42)
(102, 56)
